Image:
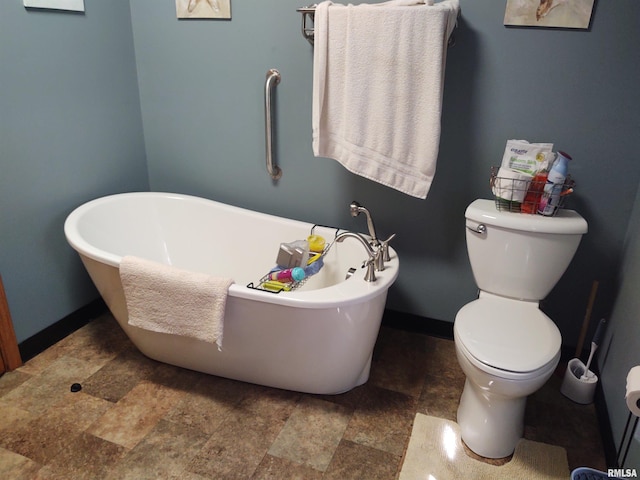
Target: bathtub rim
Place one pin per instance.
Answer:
(352, 290)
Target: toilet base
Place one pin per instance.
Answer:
(490, 425)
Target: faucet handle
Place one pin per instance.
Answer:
(370, 276)
(378, 259)
(385, 248)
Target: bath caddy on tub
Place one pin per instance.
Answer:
(267, 285)
(530, 191)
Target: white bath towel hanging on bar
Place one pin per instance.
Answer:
(378, 80)
(165, 299)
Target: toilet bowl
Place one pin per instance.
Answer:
(504, 362)
(506, 346)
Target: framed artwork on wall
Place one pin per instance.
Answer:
(72, 5)
(549, 13)
(203, 9)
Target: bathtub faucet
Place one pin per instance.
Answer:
(374, 254)
(383, 247)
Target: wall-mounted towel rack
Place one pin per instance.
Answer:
(308, 16)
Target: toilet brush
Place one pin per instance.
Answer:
(594, 346)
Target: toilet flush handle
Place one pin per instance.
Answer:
(481, 228)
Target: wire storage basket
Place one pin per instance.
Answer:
(316, 257)
(528, 195)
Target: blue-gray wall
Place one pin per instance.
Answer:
(70, 130)
(201, 87)
(620, 348)
(73, 127)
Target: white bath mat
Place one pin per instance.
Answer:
(435, 451)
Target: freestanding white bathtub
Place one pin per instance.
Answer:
(316, 339)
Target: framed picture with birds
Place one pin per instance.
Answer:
(549, 13)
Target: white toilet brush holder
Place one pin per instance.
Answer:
(578, 385)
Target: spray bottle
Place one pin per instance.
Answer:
(553, 188)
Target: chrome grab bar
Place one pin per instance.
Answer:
(273, 78)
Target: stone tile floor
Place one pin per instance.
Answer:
(136, 418)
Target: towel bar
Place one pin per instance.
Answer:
(308, 15)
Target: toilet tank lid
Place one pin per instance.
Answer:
(565, 221)
(508, 334)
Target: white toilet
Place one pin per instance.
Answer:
(507, 347)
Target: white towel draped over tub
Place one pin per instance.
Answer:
(166, 299)
(377, 88)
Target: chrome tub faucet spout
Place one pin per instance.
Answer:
(381, 249)
(370, 276)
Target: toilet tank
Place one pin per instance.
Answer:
(518, 255)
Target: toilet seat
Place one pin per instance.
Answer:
(512, 338)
